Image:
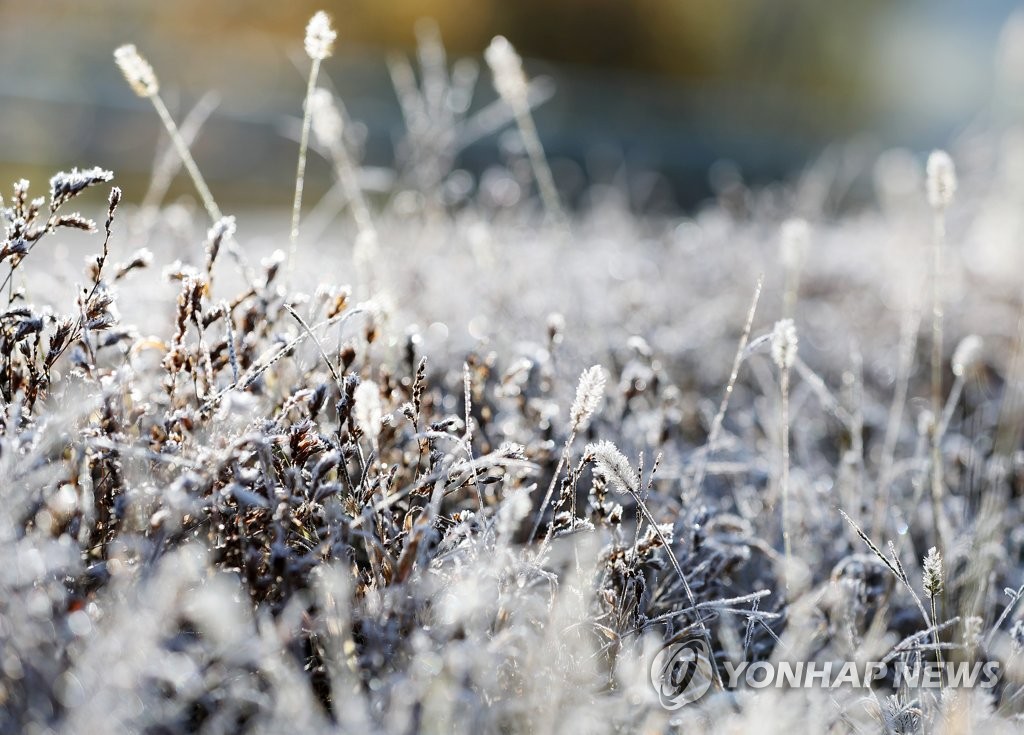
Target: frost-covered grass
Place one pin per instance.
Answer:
(236, 506)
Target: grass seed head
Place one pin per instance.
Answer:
(137, 71)
(784, 344)
(613, 465)
(320, 36)
(589, 393)
(507, 67)
(940, 180)
(933, 573)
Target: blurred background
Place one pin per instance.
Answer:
(668, 93)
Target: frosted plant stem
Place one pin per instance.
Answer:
(941, 187)
(716, 424)
(539, 163)
(169, 159)
(551, 490)
(951, 403)
(908, 341)
(790, 294)
(345, 170)
(186, 158)
(935, 638)
(937, 407)
(300, 169)
(209, 203)
(786, 540)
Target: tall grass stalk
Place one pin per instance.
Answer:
(716, 424)
(329, 128)
(911, 324)
(967, 353)
(941, 182)
(510, 81)
(319, 45)
(784, 349)
(143, 81)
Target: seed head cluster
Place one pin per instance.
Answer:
(507, 67)
(933, 578)
(940, 180)
(320, 36)
(613, 464)
(784, 344)
(137, 71)
(589, 393)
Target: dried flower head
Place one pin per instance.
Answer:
(507, 67)
(223, 229)
(137, 71)
(613, 465)
(967, 354)
(327, 121)
(933, 573)
(68, 184)
(784, 344)
(320, 36)
(941, 180)
(589, 393)
(795, 242)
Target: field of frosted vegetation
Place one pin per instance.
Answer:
(449, 457)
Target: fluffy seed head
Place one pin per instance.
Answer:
(327, 121)
(613, 465)
(967, 354)
(137, 71)
(588, 396)
(507, 67)
(941, 179)
(784, 344)
(933, 573)
(320, 36)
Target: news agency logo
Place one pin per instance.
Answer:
(681, 673)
